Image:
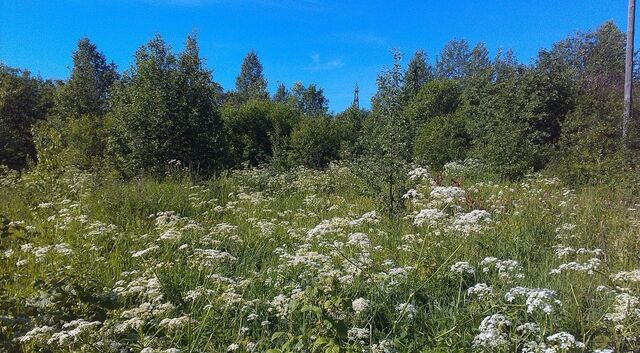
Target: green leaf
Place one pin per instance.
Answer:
(320, 341)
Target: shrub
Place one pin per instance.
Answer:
(442, 139)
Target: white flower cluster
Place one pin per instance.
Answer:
(406, 310)
(445, 195)
(358, 334)
(563, 342)
(493, 333)
(360, 305)
(412, 194)
(461, 167)
(358, 239)
(587, 267)
(471, 222)
(419, 173)
(536, 298)
(428, 216)
(507, 270)
(626, 306)
(480, 291)
(462, 267)
(70, 333)
(563, 251)
(627, 276)
(173, 324)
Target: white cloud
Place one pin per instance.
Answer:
(318, 65)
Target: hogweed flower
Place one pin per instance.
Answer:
(462, 267)
(360, 305)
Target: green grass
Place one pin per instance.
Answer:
(238, 263)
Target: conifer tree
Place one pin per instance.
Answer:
(281, 95)
(250, 83)
(418, 73)
(86, 91)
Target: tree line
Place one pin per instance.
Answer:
(562, 112)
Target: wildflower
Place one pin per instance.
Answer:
(537, 298)
(358, 239)
(480, 290)
(492, 335)
(529, 328)
(71, 332)
(232, 347)
(140, 253)
(412, 194)
(627, 306)
(627, 276)
(384, 346)
(360, 305)
(447, 194)
(507, 269)
(358, 334)
(588, 267)
(36, 334)
(462, 267)
(369, 217)
(174, 323)
(406, 309)
(418, 173)
(565, 341)
(467, 223)
(429, 216)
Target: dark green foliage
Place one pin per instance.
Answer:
(281, 95)
(453, 60)
(24, 100)
(349, 125)
(479, 62)
(250, 83)
(315, 142)
(418, 73)
(309, 100)
(86, 91)
(590, 150)
(561, 112)
(440, 140)
(79, 142)
(254, 129)
(75, 135)
(165, 109)
(436, 98)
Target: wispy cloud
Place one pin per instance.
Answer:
(362, 38)
(317, 64)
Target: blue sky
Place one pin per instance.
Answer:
(330, 43)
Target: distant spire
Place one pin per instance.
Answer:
(356, 97)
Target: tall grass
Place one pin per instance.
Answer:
(265, 261)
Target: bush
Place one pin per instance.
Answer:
(315, 142)
(62, 142)
(442, 139)
(257, 130)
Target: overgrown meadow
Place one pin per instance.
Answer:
(304, 261)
